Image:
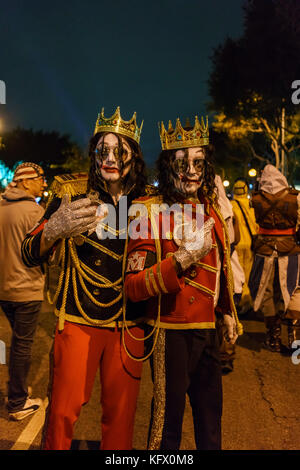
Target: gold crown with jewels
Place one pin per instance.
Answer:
(183, 137)
(116, 124)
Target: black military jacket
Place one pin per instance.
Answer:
(90, 287)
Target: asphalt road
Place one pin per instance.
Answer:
(261, 397)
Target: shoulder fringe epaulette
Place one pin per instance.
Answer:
(148, 200)
(151, 190)
(72, 184)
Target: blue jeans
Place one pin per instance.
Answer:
(23, 318)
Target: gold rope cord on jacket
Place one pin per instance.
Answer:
(61, 276)
(155, 329)
(78, 264)
(229, 276)
(92, 321)
(102, 248)
(62, 312)
(106, 281)
(92, 298)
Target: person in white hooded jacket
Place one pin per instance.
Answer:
(274, 279)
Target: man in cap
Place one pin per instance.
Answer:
(21, 289)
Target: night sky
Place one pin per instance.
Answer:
(63, 60)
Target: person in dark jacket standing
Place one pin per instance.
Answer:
(21, 289)
(88, 300)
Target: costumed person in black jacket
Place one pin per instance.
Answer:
(89, 296)
(274, 279)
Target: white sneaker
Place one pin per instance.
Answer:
(30, 407)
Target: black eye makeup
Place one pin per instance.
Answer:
(181, 165)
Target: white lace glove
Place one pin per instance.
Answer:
(71, 219)
(230, 332)
(188, 253)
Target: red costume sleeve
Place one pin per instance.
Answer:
(142, 280)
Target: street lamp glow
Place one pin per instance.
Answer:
(226, 183)
(252, 172)
(46, 194)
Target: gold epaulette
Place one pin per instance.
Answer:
(148, 200)
(151, 190)
(72, 184)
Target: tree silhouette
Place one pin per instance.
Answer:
(56, 153)
(37, 146)
(251, 79)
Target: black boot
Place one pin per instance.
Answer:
(273, 326)
(293, 332)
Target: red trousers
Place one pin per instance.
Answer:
(78, 352)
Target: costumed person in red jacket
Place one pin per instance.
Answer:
(89, 292)
(274, 279)
(180, 265)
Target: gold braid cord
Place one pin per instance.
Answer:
(61, 276)
(155, 329)
(69, 270)
(62, 312)
(76, 268)
(229, 276)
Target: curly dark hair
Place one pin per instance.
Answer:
(134, 182)
(164, 171)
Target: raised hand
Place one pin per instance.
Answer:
(71, 219)
(192, 250)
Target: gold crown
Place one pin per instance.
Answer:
(116, 124)
(181, 138)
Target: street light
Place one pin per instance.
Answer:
(226, 183)
(252, 172)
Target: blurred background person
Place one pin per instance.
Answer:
(274, 280)
(245, 218)
(21, 288)
(228, 350)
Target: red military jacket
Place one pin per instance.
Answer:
(178, 301)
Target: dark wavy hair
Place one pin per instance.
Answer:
(165, 170)
(134, 182)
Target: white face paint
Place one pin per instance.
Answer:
(189, 170)
(113, 166)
